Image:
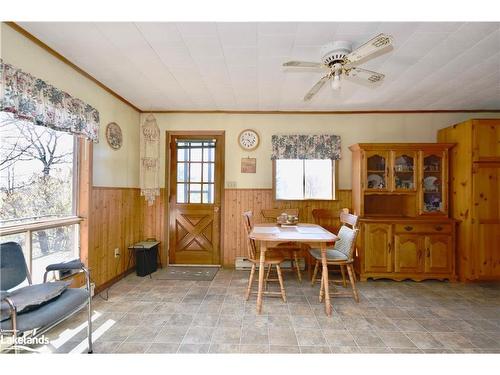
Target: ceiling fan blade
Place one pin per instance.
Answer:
(374, 45)
(367, 75)
(313, 91)
(304, 64)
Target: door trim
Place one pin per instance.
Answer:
(179, 133)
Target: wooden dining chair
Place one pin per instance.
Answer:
(291, 250)
(273, 258)
(342, 253)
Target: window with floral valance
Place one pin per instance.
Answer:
(304, 166)
(298, 146)
(31, 99)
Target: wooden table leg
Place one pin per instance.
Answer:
(328, 306)
(263, 248)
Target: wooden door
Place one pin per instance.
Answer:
(486, 219)
(196, 188)
(439, 252)
(408, 252)
(377, 249)
(376, 171)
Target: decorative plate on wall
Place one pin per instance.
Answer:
(114, 135)
(248, 140)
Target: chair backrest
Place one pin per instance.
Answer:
(248, 223)
(270, 214)
(347, 241)
(328, 219)
(13, 268)
(348, 219)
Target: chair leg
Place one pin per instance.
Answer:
(280, 279)
(89, 326)
(267, 276)
(315, 272)
(352, 279)
(297, 266)
(321, 290)
(250, 280)
(342, 271)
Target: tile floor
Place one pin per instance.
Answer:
(160, 316)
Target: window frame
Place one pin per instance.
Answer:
(335, 170)
(81, 207)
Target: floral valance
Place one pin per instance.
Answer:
(297, 146)
(34, 100)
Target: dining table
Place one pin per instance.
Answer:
(269, 235)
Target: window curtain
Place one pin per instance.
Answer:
(297, 146)
(31, 99)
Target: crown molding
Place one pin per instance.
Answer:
(322, 112)
(63, 59)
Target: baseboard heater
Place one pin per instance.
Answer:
(243, 264)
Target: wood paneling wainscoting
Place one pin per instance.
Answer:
(116, 222)
(239, 200)
(120, 216)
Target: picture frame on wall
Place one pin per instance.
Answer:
(248, 165)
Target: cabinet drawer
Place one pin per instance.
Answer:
(423, 228)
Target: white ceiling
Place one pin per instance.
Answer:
(237, 66)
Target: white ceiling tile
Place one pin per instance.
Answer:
(231, 65)
(237, 34)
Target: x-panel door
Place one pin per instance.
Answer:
(196, 178)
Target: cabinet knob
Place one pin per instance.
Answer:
(438, 228)
(408, 228)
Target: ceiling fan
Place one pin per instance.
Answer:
(339, 59)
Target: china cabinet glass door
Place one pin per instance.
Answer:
(433, 184)
(404, 169)
(377, 170)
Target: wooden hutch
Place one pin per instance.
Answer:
(400, 192)
(475, 196)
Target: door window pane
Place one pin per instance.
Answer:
(289, 179)
(208, 154)
(182, 193)
(208, 172)
(196, 154)
(208, 193)
(182, 153)
(195, 193)
(182, 172)
(195, 172)
(318, 179)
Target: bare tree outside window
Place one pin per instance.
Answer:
(36, 182)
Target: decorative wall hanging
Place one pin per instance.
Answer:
(248, 165)
(31, 99)
(297, 146)
(114, 135)
(248, 140)
(150, 159)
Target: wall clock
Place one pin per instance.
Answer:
(248, 140)
(114, 135)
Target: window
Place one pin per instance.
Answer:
(195, 171)
(38, 183)
(297, 179)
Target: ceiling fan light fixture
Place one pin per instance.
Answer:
(336, 82)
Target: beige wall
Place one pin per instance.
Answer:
(352, 128)
(111, 168)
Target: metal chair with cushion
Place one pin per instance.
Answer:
(32, 310)
(342, 254)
